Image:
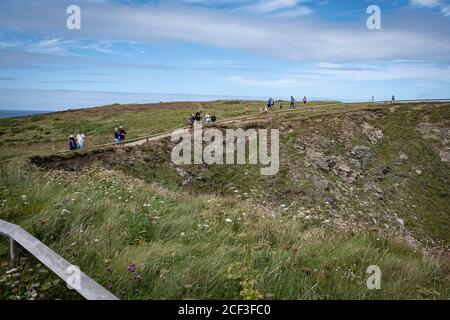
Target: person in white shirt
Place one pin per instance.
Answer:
(81, 138)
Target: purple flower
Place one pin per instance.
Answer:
(132, 267)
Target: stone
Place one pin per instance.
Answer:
(373, 134)
(445, 154)
(318, 159)
(402, 156)
(364, 154)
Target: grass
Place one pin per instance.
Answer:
(49, 133)
(229, 233)
(184, 248)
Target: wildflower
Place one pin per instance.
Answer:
(11, 271)
(183, 234)
(228, 220)
(132, 267)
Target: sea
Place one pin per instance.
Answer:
(19, 113)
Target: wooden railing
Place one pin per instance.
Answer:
(20, 239)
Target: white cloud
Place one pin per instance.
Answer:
(426, 3)
(443, 7)
(300, 39)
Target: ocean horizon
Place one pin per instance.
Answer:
(20, 113)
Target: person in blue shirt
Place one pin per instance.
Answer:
(270, 103)
(292, 102)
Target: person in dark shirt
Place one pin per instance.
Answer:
(198, 118)
(72, 143)
(122, 134)
(116, 136)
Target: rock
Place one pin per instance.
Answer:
(373, 134)
(378, 192)
(346, 173)
(364, 154)
(418, 172)
(318, 159)
(187, 179)
(402, 156)
(321, 183)
(445, 154)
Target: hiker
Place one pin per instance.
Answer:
(198, 118)
(305, 100)
(72, 142)
(208, 118)
(213, 118)
(292, 102)
(373, 98)
(393, 98)
(270, 103)
(81, 138)
(117, 136)
(191, 120)
(122, 134)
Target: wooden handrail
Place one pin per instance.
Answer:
(18, 237)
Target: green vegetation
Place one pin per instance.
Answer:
(225, 232)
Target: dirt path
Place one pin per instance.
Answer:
(309, 110)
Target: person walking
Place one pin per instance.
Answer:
(198, 118)
(72, 143)
(81, 138)
(305, 100)
(270, 103)
(292, 102)
(122, 134)
(117, 136)
(208, 118)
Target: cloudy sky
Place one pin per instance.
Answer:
(148, 50)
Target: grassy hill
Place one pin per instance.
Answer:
(359, 185)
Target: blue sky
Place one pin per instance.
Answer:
(140, 51)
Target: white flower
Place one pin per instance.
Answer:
(228, 220)
(183, 234)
